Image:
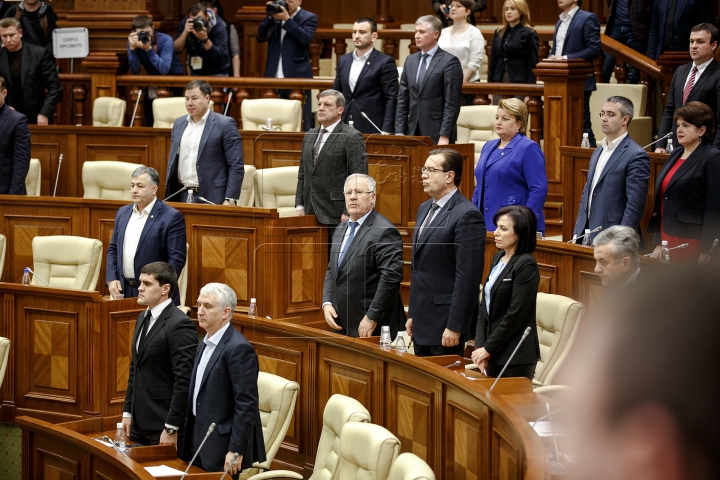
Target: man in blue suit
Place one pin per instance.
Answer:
(672, 31)
(206, 154)
(288, 34)
(577, 35)
(146, 231)
(14, 147)
(617, 181)
(369, 81)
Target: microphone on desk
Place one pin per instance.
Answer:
(210, 430)
(575, 239)
(171, 196)
(35, 276)
(656, 141)
(137, 102)
(454, 364)
(682, 245)
(373, 124)
(527, 332)
(57, 177)
(232, 460)
(227, 105)
(707, 259)
(203, 199)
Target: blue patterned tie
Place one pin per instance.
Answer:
(353, 226)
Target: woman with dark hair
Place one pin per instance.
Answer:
(509, 298)
(687, 190)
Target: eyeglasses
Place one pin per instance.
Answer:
(430, 170)
(610, 115)
(356, 193)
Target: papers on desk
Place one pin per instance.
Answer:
(163, 471)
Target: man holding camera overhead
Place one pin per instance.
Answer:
(151, 50)
(207, 47)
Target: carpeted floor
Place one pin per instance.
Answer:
(10, 452)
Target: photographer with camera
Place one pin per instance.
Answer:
(288, 29)
(151, 50)
(207, 47)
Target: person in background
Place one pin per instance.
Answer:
(442, 9)
(151, 50)
(628, 23)
(511, 169)
(233, 40)
(37, 19)
(207, 47)
(617, 262)
(14, 147)
(670, 31)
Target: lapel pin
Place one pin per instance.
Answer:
(152, 216)
(368, 63)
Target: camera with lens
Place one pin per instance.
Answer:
(199, 24)
(275, 7)
(143, 37)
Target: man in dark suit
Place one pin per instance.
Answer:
(163, 351)
(448, 248)
(577, 35)
(430, 88)
(617, 180)
(206, 156)
(146, 231)
(30, 72)
(362, 282)
(671, 31)
(288, 33)
(617, 262)
(223, 389)
(369, 81)
(330, 153)
(628, 23)
(698, 81)
(14, 147)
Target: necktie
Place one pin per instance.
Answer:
(428, 219)
(316, 148)
(143, 332)
(353, 226)
(423, 68)
(689, 86)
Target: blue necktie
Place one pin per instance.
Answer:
(353, 226)
(422, 69)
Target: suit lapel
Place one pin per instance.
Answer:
(362, 231)
(366, 67)
(593, 164)
(437, 220)
(707, 73)
(209, 125)
(328, 143)
(157, 326)
(686, 166)
(508, 150)
(3, 118)
(122, 225)
(216, 354)
(503, 275)
(154, 214)
(335, 247)
(422, 213)
(614, 157)
(433, 63)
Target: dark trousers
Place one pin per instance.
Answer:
(308, 121)
(152, 437)
(437, 350)
(623, 34)
(526, 370)
(199, 464)
(587, 125)
(130, 290)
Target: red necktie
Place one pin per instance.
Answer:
(689, 85)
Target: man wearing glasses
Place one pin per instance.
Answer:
(448, 249)
(362, 282)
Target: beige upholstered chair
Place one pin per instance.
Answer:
(167, 110)
(557, 319)
(372, 461)
(33, 178)
(183, 281)
(247, 189)
(108, 112)
(107, 179)
(409, 466)
(64, 261)
(3, 247)
(275, 188)
(4, 355)
(277, 404)
(640, 129)
(476, 125)
(286, 114)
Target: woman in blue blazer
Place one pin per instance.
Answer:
(511, 169)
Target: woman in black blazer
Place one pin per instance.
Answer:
(514, 51)
(509, 298)
(687, 191)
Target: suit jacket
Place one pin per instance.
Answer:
(691, 202)
(228, 397)
(375, 92)
(220, 166)
(160, 370)
(639, 12)
(216, 60)
(367, 282)
(519, 179)
(434, 105)
(688, 13)
(582, 41)
(38, 75)
(162, 240)
(14, 151)
(520, 58)
(447, 266)
(705, 90)
(620, 193)
(513, 302)
(320, 185)
(299, 31)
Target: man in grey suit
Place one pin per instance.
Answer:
(362, 282)
(430, 88)
(330, 153)
(617, 181)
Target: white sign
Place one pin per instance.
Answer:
(71, 42)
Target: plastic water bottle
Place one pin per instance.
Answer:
(252, 310)
(120, 437)
(268, 124)
(669, 147)
(385, 339)
(664, 252)
(400, 343)
(190, 198)
(586, 238)
(352, 124)
(585, 141)
(26, 277)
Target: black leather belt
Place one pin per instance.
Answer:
(131, 282)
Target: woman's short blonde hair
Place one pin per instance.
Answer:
(517, 109)
(522, 7)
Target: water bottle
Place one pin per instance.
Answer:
(385, 339)
(400, 343)
(268, 124)
(252, 310)
(120, 437)
(585, 141)
(352, 124)
(26, 277)
(669, 147)
(190, 198)
(586, 238)
(664, 252)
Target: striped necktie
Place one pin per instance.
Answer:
(353, 226)
(690, 84)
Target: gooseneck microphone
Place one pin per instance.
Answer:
(35, 276)
(203, 199)
(683, 245)
(715, 243)
(373, 124)
(171, 196)
(575, 239)
(527, 332)
(57, 177)
(137, 102)
(656, 141)
(210, 430)
(232, 460)
(227, 105)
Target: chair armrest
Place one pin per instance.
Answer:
(276, 474)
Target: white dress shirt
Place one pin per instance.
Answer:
(210, 344)
(189, 146)
(565, 19)
(321, 139)
(607, 151)
(356, 68)
(133, 231)
(279, 73)
(700, 69)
